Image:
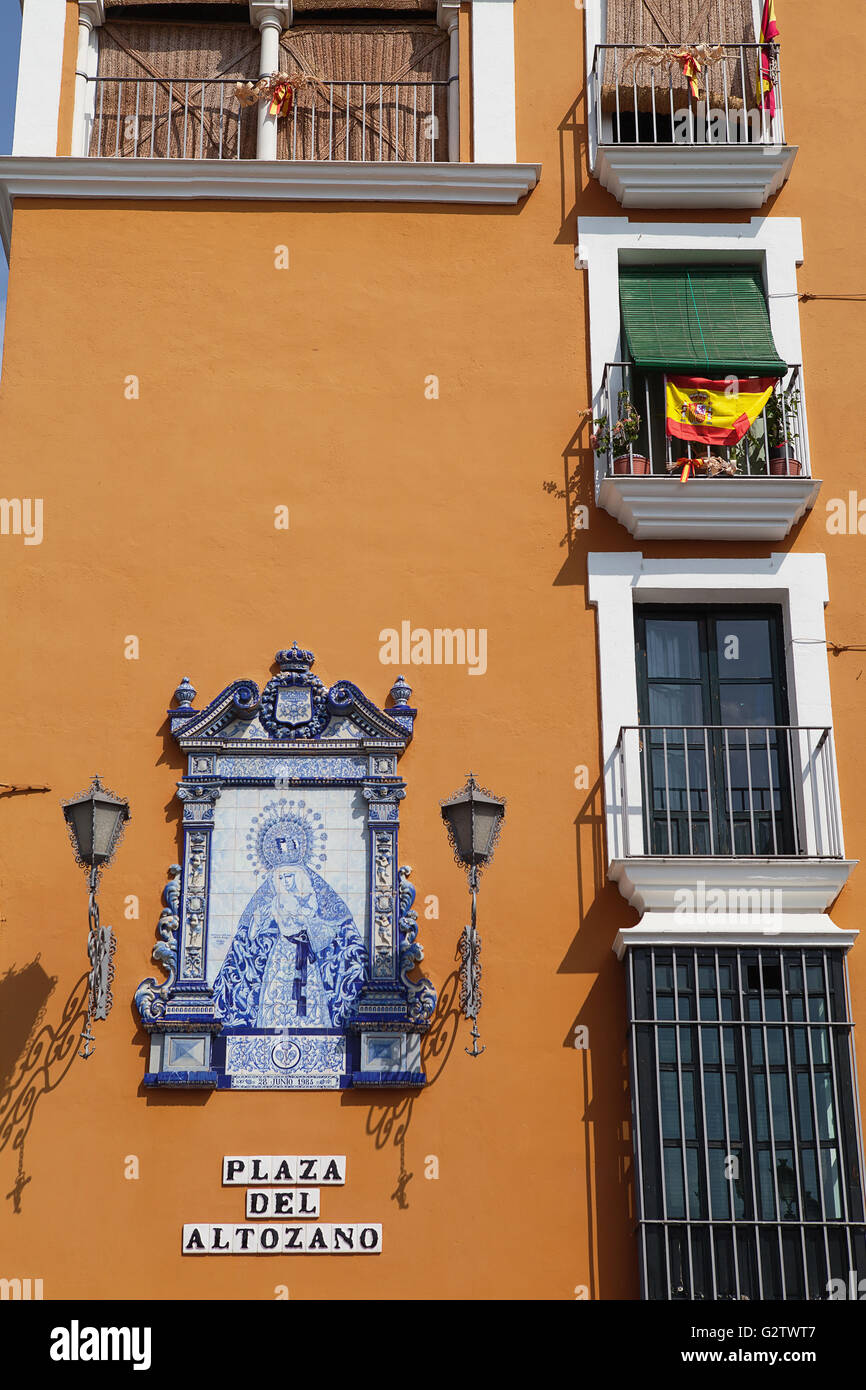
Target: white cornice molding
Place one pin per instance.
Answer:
(720, 931)
(272, 180)
(694, 176)
(654, 883)
(729, 509)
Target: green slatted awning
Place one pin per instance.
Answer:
(702, 320)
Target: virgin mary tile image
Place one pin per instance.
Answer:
(296, 959)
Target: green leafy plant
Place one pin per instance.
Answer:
(782, 413)
(622, 433)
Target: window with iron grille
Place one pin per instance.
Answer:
(748, 1166)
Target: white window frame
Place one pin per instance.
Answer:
(41, 66)
(617, 581)
(605, 243)
(40, 74)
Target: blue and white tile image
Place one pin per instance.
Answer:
(241, 813)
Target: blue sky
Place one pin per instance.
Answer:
(10, 34)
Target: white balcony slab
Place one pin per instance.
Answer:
(731, 509)
(660, 883)
(693, 176)
(800, 930)
(273, 180)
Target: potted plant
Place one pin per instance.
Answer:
(782, 413)
(618, 438)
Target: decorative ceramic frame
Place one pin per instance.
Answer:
(295, 734)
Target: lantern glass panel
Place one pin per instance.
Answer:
(459, 817)
(106, 819)
(487, 817)
(81, 819)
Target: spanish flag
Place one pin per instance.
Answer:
(714, 412)
(769, 34)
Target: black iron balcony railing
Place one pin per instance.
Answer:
(775, 445)
(195, 118)
(643, 95)
(728, 789)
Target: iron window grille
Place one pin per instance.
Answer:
(748, 1157)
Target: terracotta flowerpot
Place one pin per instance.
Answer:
(782, 465)
(636, 464)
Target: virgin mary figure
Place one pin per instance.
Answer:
(296, 959)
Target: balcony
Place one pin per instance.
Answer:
(727, 818)
(660, 487)
(360, 121)
(167, 110)
(659, 145)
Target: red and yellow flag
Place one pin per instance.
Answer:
(281, 100)
(691, 66)
(769, 34)
(714, 412)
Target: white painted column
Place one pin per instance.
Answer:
(448, 17)
(40, 71)
(493, 82)
(91, 14)
(271, 20)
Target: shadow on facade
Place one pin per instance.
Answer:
(599, 1035)
(34, 1059)
(389, 1124)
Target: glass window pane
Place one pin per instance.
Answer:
(830, 1177)
(748, 704)
(765, 1186)
(762, 1118)
(710, 1044)
(811, 1199)
(781, 1113)
(664, 977)
(675, 704)
(689, 1108)
(786, 1181)
(820, 1047)
(696, 1211)
(743, 648)
(776, 1046)
(720, 1187)
(733, 1106)
(670, 1105)
(674, 1183)
(804, 1107)
(756, 1046)
(713, 1104)
(673, 648)
(824, 1103)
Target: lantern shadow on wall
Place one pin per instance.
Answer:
(390, 1123)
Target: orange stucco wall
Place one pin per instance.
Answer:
(306, 388)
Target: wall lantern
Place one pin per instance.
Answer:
(473, 818)
(95, 820)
